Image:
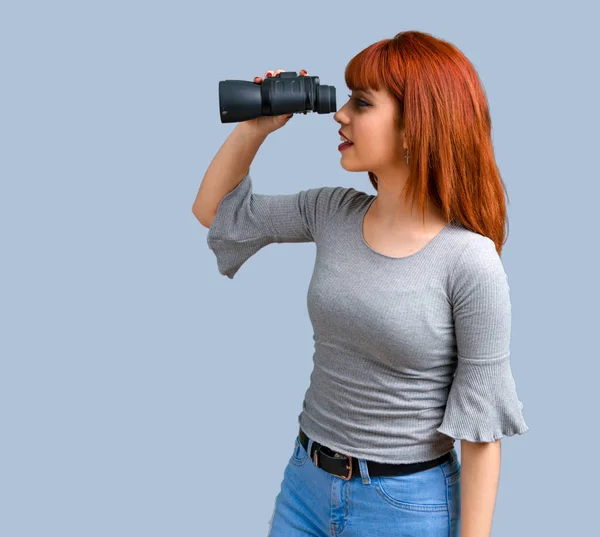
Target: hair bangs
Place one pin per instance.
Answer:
(368, 69)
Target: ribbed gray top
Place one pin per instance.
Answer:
(410, 353)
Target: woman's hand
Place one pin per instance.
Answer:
(269, 124)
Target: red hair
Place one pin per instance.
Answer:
(444, 109)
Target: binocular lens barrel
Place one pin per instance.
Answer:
(288, 93)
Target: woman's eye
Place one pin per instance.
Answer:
(360, 102)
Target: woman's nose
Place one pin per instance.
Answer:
(339, 115)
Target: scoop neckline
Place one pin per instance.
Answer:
(429, 245)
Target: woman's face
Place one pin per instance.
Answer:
(367, 119)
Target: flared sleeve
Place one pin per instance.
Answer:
(245, 222)
(483, 404)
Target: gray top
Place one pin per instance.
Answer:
(410, 353)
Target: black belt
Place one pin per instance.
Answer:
(346, 466)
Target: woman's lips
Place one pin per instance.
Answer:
(345, 145)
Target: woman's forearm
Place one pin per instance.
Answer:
(479, 478)
(227, 169)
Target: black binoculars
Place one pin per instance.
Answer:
(288, 93)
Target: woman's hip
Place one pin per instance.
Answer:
(314, 501)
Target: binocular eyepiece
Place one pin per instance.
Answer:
(288, 93)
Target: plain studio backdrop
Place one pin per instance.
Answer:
(136, 380)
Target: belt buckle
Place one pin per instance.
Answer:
(349, 467)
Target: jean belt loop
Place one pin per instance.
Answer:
(310, 443)
(364, 471)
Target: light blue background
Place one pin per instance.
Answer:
(129, 362)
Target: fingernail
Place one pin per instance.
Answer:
(303, 71)
(269, 75)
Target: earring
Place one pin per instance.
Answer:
(406, 156)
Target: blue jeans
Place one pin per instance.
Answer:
(313, 502)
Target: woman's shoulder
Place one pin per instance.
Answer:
(476, 261)
(336, 199)
(349, 198)
(466, 239)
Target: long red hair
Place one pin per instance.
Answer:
(444, 108)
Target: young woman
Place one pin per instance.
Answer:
(410, 308)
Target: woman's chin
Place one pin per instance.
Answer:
(350, 167)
